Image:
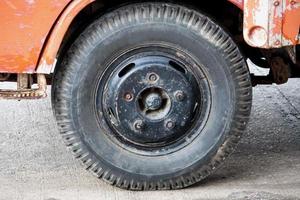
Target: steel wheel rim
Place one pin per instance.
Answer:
(176, 62)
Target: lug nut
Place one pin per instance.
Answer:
(138, 125)
(128, 96)
(170, 124)
(179, 95)
(153, 77)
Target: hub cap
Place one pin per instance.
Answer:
(153, 101)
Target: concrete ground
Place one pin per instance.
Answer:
(35, 165)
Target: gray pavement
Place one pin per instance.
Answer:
(35, 165)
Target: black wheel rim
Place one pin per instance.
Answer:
(153, 98)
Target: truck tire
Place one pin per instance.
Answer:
(152, 96)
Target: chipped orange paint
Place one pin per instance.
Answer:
(271, 23)
(48, 58)
(25, 25)
(291, 21)
(254, 32)
(32, 30)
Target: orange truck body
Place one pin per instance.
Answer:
(32, 30)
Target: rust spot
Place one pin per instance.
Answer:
(24, 90)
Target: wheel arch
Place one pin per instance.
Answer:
(48, 57)
(65, 30)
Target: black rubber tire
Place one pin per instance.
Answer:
(226, 70)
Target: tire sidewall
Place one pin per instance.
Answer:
(96, 47)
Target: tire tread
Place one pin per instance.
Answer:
(159, 12)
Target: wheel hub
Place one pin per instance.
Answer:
(151, 100)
